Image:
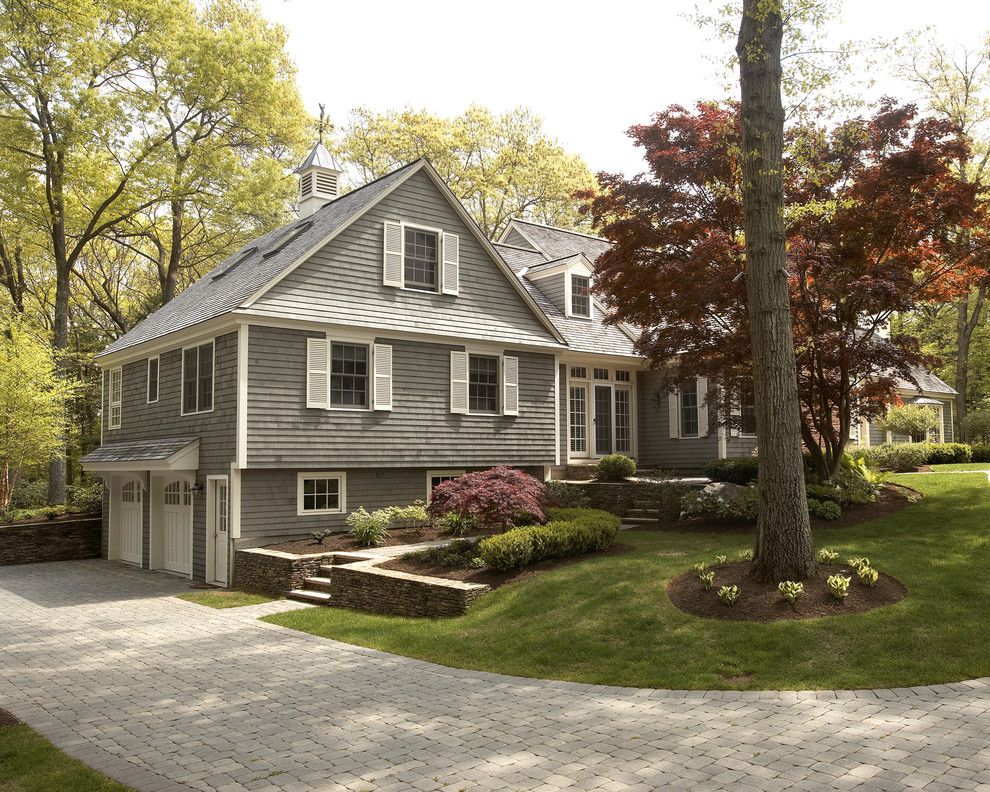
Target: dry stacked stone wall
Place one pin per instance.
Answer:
(51, 540)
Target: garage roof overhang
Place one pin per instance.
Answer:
(180, 454)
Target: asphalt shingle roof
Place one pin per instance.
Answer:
(927, 381)
(558, 243)
(138, 450)
(235, 279)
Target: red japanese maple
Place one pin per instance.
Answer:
(499, 497)
(874, 210)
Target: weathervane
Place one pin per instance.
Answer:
(325, 125)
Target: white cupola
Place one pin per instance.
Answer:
(319, 180)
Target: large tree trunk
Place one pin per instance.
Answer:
(783, 544)
(966, 323)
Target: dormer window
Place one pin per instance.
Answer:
(581, 296)
(421, 259)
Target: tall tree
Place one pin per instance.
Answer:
(956, 87)
(499, 166)
(783, 529)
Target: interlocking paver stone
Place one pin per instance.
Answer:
(170, 696)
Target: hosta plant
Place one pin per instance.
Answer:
(707, 578)
(699, 568)
(729, 594)
(745, 555)
(838, 586)
(720, 560)
(858, 563)
(827, 556)
(790, 590)
(868, 576)
(320, 536)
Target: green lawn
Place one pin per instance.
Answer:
(29, 763)
(223, 598)
(608, 620)
(962, 466)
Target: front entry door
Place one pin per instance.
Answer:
(177, 524)
(603, 420)
(221, 525)
(131, 523)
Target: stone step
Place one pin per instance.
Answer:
(630, 520)
(313, 597)
(317, 584)
(637, 512)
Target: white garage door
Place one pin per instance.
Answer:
(131, 523)
(178, 519)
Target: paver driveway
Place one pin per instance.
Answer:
(165, 694)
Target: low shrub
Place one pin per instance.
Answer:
(499, 497)
(34, 515)
(947, 453)
(369, 529)
(455, 525)
(790, 590)
(460, 552)
(838, 586)
(320, 536)
(734, 471)
(729, 594)
(744, 504)
(824, 510)
(615, 467)
(569, 532)
(898, 457)
(980, 452)
(410, 516)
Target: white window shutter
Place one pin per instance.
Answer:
(674, 412)
(393, 258)
(735, 413)
(451, 263)
(317, 373)
(458, 382)
(702, 407)
(383, 377)
(510, 385)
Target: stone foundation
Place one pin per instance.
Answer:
(64, 539)
(273, 572)
(366, 587)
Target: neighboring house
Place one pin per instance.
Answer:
(359, 355)
(930, 391)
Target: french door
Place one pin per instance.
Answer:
(577, 412)
(603, 420)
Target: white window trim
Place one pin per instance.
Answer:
(369, 393)
(569, 291)
(341, 478)
(499, 387)
(431, 473)
(213, 378)
(111, 424)
(439, 232)
(158, 380)
(680, 413)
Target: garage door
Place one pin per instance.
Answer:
(177, 522)
(131, 523)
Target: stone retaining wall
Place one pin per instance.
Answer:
(273, 572)
(366, 587)
(66, 539)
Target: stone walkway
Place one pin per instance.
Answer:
(166, 695)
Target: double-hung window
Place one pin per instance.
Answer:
(483, 384)
(153, 368)
(422, 260)
(689, 410)
(580, 296)
(747, 412)
(321, 493)
(349, 376)
(197, 379)
(113, 420)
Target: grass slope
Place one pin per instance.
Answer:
(29, 763)
(608, 620)
(962, 467)
(223, 598)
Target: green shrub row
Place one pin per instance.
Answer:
(905, 457)
(569, 532)
(734, 471)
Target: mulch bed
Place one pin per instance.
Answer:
(492, 577)
(7, 719)
(893, 498)
(762, 602)
(344, 541)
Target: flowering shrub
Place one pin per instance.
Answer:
(498, 498)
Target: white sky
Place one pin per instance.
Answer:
(590, 70)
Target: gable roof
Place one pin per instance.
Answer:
(927, 382)
(243, 277)
(557, 243)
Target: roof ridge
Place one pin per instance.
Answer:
(518, 247)
(558, 228)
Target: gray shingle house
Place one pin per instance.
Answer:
(358, 356)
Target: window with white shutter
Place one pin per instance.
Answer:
(702, 385)
(393, 257)
(510, 385)
(458, 382)
(451, 263)
(674, 413)
(317, 374)
(383, 376)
